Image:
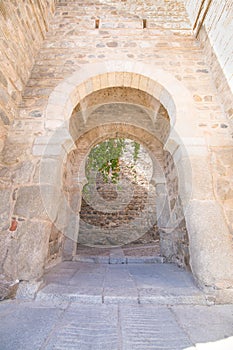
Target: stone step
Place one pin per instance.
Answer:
(120, 259)
(88, 283)
(62, 293)
(119, 255)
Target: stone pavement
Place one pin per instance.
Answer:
(116, 282)
(116, 307)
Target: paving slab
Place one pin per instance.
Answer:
(86, 327)
(89, 306)
(41, 325)
(116, 307)
(122, 283)
(26, 326)
(209, 323)
(155, 325)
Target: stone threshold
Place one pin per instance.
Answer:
(59, 294)
(119, 260)
(92, 283)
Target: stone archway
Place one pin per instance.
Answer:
(210, 261)
(170, 219)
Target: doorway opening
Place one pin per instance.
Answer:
(125, 116)
(118, 207)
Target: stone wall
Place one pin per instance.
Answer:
(23, 26)
(174, 237)
(212, 23)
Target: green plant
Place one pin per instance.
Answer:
(105, 158)
(136, 151)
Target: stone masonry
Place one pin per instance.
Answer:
(63, 65)
(23, 26)
(211, 21)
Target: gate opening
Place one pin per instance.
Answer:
(118, 202)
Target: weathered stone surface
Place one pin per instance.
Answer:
(56, 243)
(130, 326)
(116, 282)
(17, 63)
(26, 263)
(27, 290)
(68, 249)
(23, 173)
(4, 118)
(32, 324)
(211, 33)
(211, 253)
(38, 202)
(201, 186)
(13, 153)
(48, 171)
(222, 165)
(8, 288)
(5, 205)
(3, 80)
(4, 246)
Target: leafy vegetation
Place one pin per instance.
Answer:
(105, 158)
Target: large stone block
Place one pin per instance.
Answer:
(211, 248)
(27, 251)
(40, 202)
(12, 153)
(23, 172)
(48, 171)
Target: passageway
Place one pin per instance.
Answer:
(118, 203)
(116, 281)
(131, 199)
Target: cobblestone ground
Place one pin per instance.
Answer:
(88, 306)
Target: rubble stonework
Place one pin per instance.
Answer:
(23, 27)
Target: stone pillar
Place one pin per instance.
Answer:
(210, 242)
(28, 247)
(211, 251)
